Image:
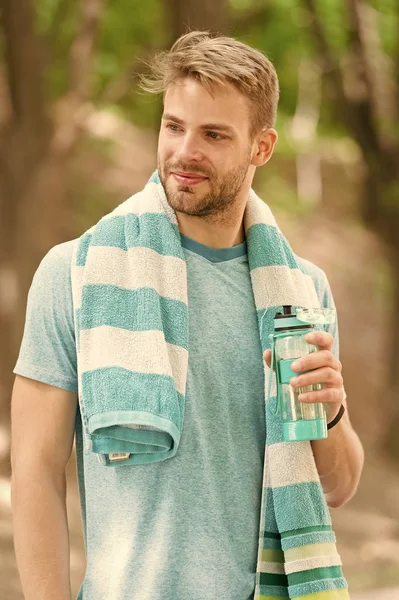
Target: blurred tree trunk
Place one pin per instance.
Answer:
(304, 130)
(367, 98)
(35, 145)
(207, 15)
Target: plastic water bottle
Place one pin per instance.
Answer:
(301, 421)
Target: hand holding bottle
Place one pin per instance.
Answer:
(324, 369)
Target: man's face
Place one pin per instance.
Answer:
(204, 148)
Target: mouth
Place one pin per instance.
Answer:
(188, 178)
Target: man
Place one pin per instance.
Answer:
(185, 528)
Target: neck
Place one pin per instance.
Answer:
(214, 235)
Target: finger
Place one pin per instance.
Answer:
(332, 395)
(267, 356)
(330, 377)
(323, 339)
(316, 360)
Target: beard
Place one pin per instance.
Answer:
(223, 189)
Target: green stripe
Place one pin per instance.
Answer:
(314, 575)
(271, 535)
(294, 532)
(273, 579)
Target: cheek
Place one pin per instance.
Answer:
(165, 148)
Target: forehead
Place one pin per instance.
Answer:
(196, 104)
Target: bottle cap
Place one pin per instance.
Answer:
(288, 320)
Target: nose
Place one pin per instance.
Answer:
(189, 149)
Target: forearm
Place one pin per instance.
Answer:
(41, 537)
(339, 460)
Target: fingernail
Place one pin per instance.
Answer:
(294, 380)
(296, 365)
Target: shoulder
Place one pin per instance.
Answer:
(309, 268)
(316, 273)
(320, 280)
(59, 256)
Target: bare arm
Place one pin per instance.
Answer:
(42, 432)
(339, 460)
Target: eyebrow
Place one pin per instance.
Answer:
(217, 126)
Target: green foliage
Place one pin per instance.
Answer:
(129, 29)
(279, 34)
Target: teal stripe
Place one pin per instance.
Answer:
(274, 591)
(140, 453)
(273, 579)
(270, 524)
(269, 247)
(325, 585)
(308, 538)
(82, 249)
(135, 310)
(310, 506)
(138, 459)
(271, 543)
(139, 440)
(104, 389)
(155, 178)
(314, 575)
(274, 424)
(149, 230)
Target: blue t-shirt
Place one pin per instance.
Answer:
(185, 528)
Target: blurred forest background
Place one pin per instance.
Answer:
(77, 138)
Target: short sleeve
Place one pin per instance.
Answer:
(327, 301)
(48, 349)
(325, 296)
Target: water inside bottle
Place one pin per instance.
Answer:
(295, 409)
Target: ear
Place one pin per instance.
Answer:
(264, 146)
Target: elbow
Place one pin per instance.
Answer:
(338, 498)
(342, 494)
(336, 501)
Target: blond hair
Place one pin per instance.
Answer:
(219, 59)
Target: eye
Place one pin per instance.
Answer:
(215, 136)
(171, 126)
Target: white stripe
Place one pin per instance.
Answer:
(290, 463)
(305, 564)
(280, 285)
(151, 200)
(133, 269)
(77, 285)
(272, 567)
(139, 351)
(258, 212)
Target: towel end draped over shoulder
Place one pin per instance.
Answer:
(129, 285)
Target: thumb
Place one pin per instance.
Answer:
(267, 355)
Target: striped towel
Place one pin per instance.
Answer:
(129, 284)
